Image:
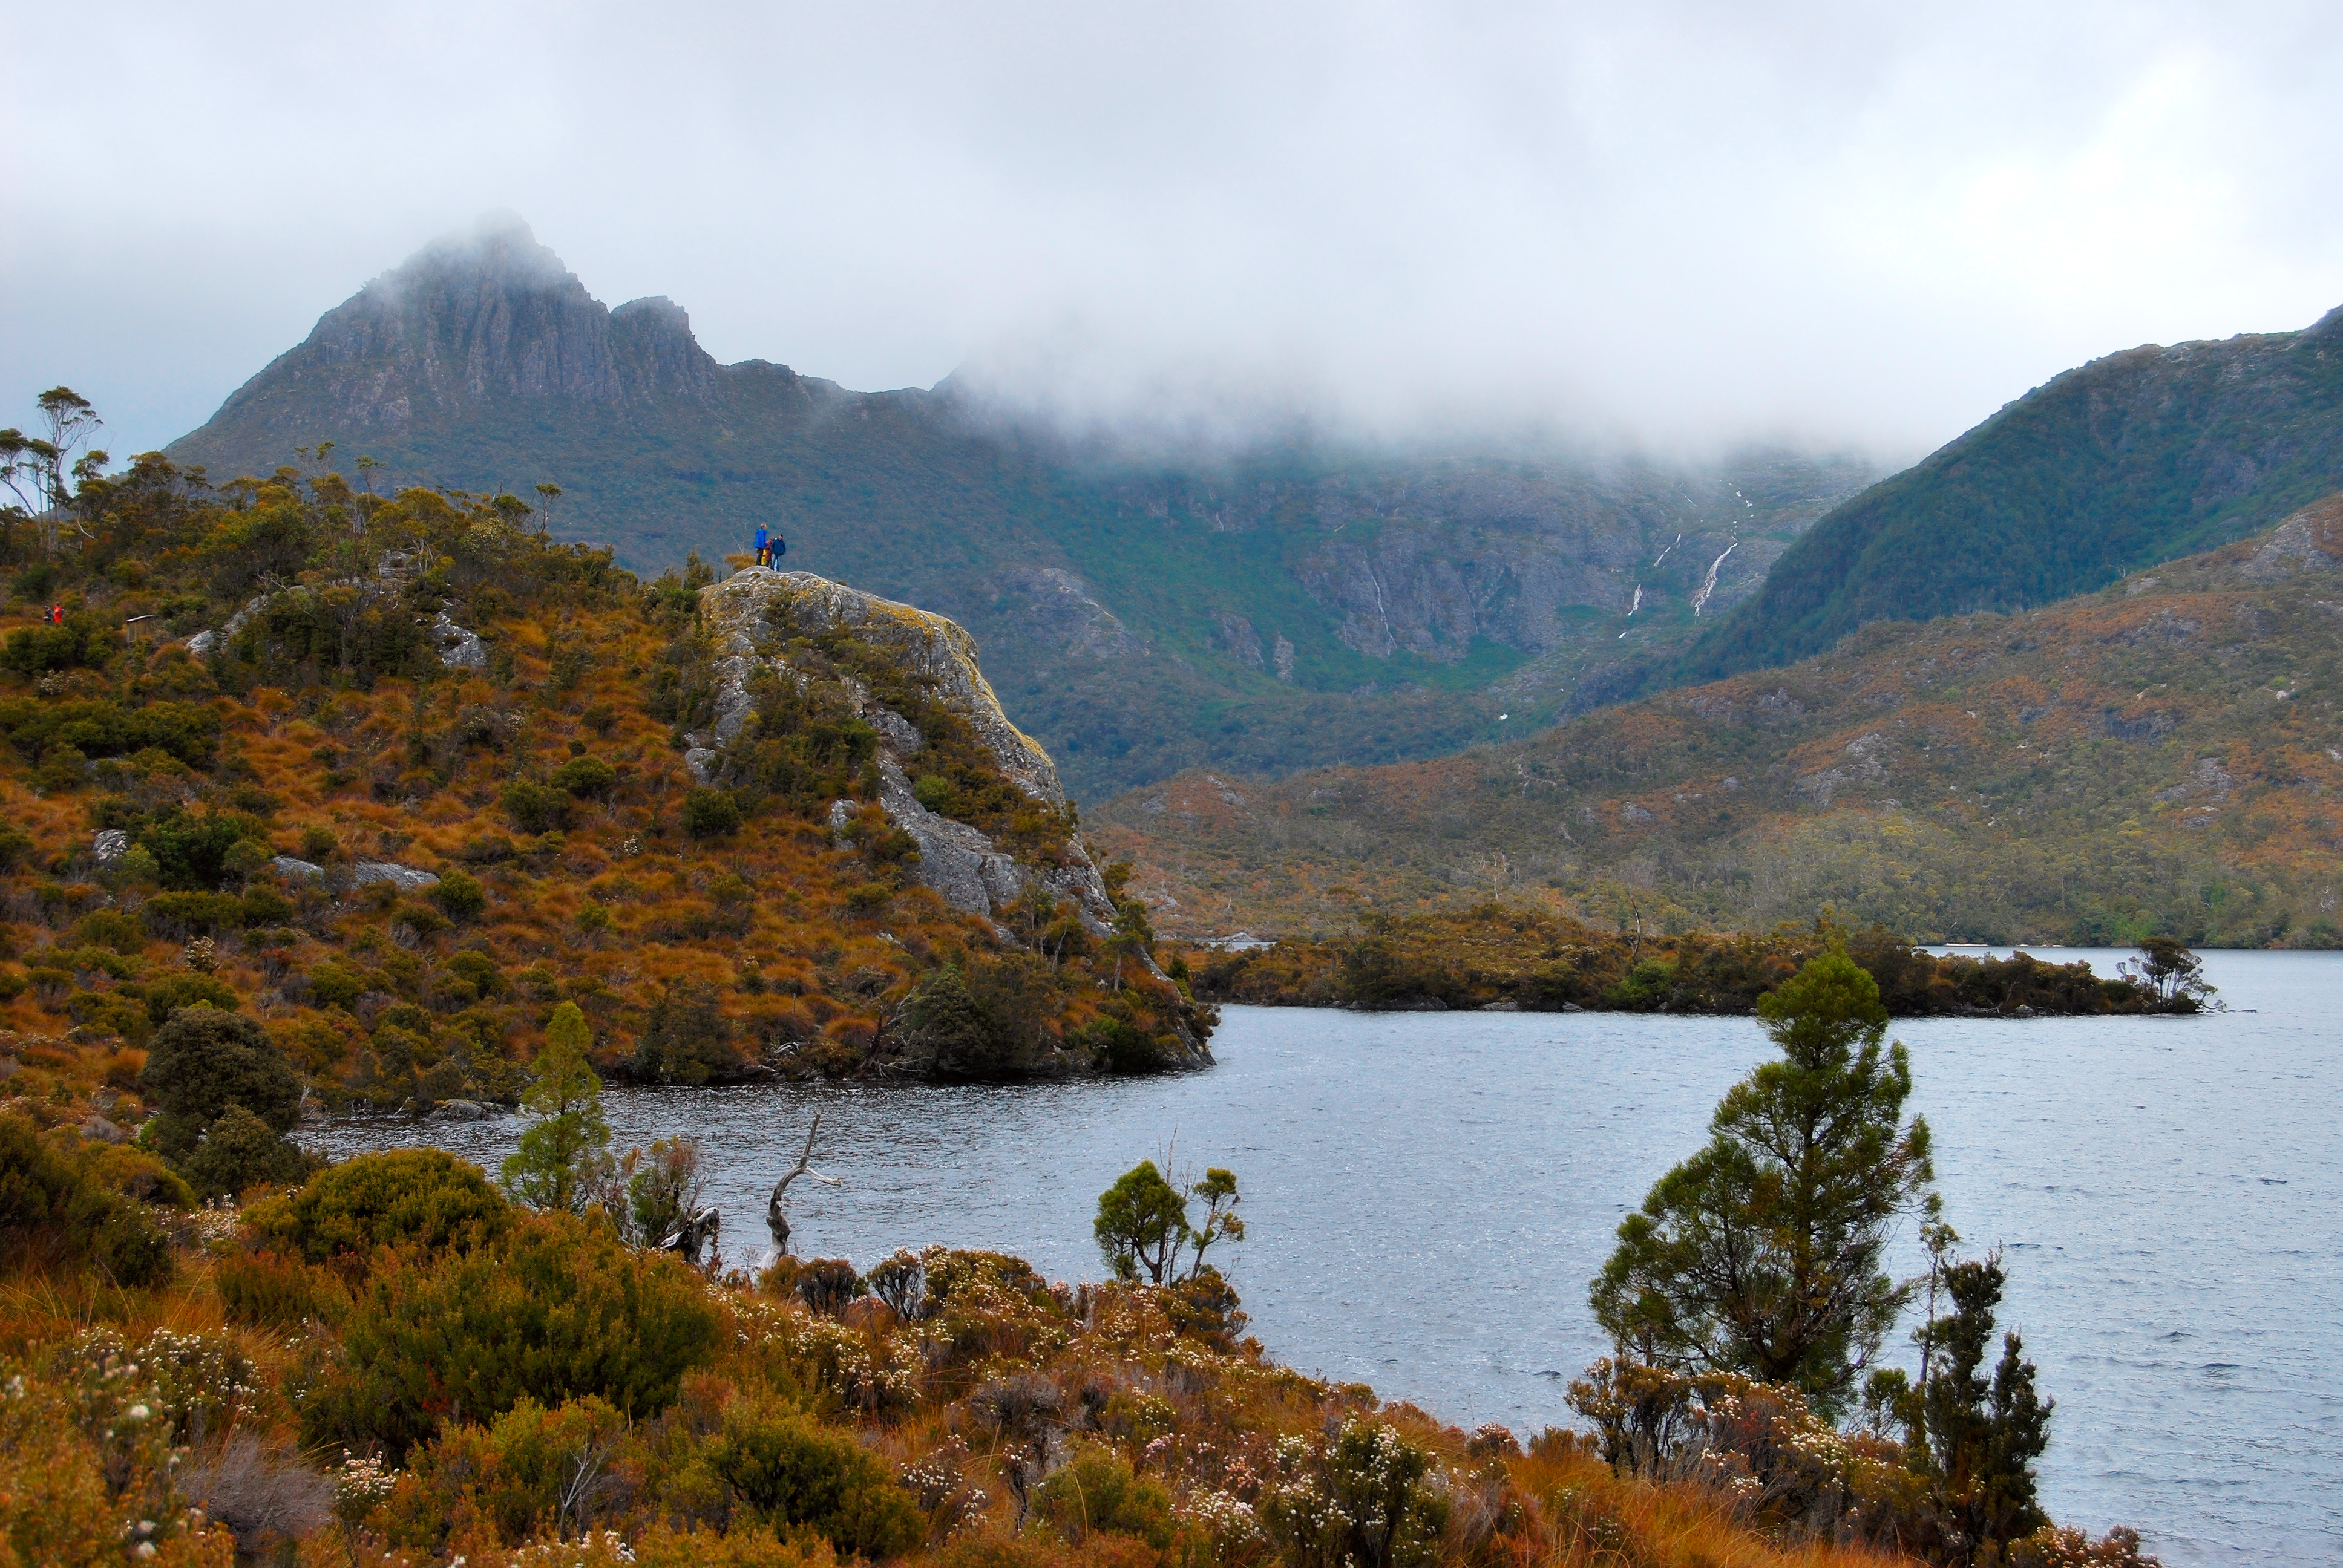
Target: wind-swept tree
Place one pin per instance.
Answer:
(1761, 1254)
(2166, 967)
(1142, 1223)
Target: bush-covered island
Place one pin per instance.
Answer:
(1511, 957)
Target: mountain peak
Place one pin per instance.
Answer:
(499, 248)
(482, 316)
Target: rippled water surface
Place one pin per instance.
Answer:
(1428, 1196)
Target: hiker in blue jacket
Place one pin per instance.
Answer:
(764, 548)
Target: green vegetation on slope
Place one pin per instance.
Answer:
(2165, 756)
(2127, 461)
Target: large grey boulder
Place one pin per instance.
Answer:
(407, 879)
(746, 617)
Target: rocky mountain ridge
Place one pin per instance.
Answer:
(1304, 602)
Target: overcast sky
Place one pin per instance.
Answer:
(1861, 223)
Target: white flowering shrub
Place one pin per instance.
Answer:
(1364, 1497)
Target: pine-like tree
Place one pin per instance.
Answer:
(1761, 1254)
(564, 1154)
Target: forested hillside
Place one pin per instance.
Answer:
(2136, 459)
(1301, 601)
(2164, 756)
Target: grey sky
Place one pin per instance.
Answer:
(1679, 223)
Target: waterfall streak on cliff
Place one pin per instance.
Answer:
(1708, 584)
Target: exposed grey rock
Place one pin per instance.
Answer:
(734, 707)
(459, 1110)
(1058, 609)
(960, 862)
(111, 844)
(287, 866)
(895, 730)
(955, 859)
(741, 612)
(2296, 543)
(460, 647)
(407, 879)
(1238, 638)
(203, 642)
(2207, 778)
(99, 1130)
(398, 567)
(1237, 942)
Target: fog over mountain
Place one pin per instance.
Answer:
(1679, 225)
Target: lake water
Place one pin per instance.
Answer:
(1428, 1195)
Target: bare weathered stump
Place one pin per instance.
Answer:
(777, 1219)
(692, 1237)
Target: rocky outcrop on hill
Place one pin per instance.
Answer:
(748, 616)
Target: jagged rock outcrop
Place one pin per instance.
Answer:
(744, 616)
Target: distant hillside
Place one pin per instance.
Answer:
(1304, 604)
(2136, 459)
(2164, 756)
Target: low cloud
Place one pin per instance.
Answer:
(1676, 225)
